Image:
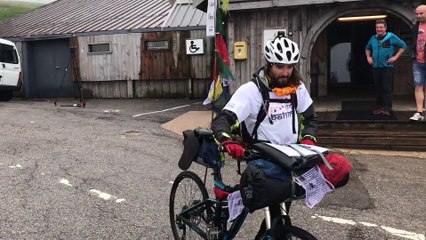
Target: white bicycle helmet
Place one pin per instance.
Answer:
(281, 50)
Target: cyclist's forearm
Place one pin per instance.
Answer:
(310, 123)
(222, 125)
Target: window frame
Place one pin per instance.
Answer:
(158, 49)
(90, 45)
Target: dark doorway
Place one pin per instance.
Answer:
(49, 69)
(347, 43)
(354, 36)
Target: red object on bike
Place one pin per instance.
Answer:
(308, 142)
(339, 176)
(234, 149)
(219, 193)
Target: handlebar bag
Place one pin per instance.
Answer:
(200, 149)
(191, 145)
(292, 157)
(264, 183)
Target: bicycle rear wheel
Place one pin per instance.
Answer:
(288, 232)
(187, 191)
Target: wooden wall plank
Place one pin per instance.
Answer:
(121, 64)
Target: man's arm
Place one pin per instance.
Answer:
(368, 56)
(368, 52)
(402, 46)
(310, 122)
(223, 124)
(396, 56)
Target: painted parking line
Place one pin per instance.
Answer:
(102, 195)
(165, 110)
(393, 231)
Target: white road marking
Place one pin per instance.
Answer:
(165, 110)
(65, 182)
(16, 166)
(404, 234)
(336, 220)
(107, 196)
(111, 110)
(104, 196)
(393, 231)
(368, 224)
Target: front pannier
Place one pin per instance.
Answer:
(269, 180)
(264, 183)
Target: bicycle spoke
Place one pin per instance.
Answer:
(187, 192)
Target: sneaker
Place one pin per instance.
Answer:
(417, 117)
(385, 112)
(378, 111)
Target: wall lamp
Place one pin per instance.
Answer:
(361, 18)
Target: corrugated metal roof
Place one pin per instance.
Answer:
(66, 17)
(185, 15)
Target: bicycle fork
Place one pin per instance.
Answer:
(268, 218)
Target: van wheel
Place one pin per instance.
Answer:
(6, 95)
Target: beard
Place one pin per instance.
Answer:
(279, 81)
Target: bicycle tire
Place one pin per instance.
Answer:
(289, 232)
(186, 181)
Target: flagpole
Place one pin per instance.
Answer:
(211, 32)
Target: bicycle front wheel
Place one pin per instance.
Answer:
(288, 232)
(187, 191)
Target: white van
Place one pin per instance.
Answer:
(10, 70)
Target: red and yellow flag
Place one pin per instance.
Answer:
(222, 75)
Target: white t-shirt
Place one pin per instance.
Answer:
(246, 102)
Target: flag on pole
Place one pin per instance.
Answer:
(222, 75)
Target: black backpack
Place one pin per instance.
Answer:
(251, 138)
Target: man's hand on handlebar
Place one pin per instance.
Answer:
(233, 148)
(307, 142)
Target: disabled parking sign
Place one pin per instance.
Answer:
(194, 46)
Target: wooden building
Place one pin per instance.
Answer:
(118, 49)
(332, 51)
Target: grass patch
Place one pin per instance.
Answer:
(9, 10)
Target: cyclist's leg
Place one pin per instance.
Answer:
(276, 219)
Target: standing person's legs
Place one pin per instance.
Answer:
(377, 77)
(387, 83)
(419, 95)
(419, 75)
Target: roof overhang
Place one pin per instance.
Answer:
(235, 5)
(200, 4)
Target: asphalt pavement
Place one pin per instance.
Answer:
(105, 172)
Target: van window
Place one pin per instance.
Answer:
(8, 54)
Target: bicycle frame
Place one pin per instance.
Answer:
(209, 217)
(216, 213)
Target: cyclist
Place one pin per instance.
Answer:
(266, 108)
(287, 97)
